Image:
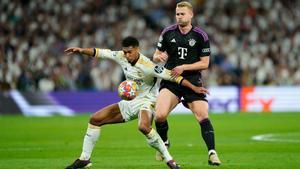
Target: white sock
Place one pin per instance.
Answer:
(90, 139)
(156, 142)
(212, 151)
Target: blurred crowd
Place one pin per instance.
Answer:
(253, 42)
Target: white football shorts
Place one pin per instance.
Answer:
(130, 109)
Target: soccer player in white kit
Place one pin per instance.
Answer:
(142, 70)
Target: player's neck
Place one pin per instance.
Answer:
(185, 29)
(134, 62)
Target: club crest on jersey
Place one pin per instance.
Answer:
(192, 42)
(158, 69)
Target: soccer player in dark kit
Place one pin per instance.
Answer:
(185, 49)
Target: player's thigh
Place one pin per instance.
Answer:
(107, 115)
(165, 103)
(200, 109)
(146, 112)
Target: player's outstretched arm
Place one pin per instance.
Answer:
(148, 67)
(197, 89)
(85, 51)
(200, 65)
(166, 75)
(95, 52)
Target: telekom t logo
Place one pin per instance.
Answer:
(247, 100)
(182, 52)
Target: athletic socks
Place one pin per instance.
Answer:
(162, 129)
(93, 133)
(156, 142)
(207, 132)
(90, 139)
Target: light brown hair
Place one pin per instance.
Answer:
(185, 4)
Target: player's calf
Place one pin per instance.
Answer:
(158, 155)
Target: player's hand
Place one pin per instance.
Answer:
(73, 50)
(162, 57)
(177, 70)
(201, 90)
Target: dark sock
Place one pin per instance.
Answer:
(207, 132)
(162, 129)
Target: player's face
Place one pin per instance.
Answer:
(131, 53)
(183, 16)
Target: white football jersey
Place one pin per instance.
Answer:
(144, 72)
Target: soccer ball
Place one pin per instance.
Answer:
(128, 90)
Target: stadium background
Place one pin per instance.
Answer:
(254, 68)
(253, 43)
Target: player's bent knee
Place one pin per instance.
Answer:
(95, 121)
(160, 118)
(144, 129)
(201, 117)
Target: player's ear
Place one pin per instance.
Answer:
(191, 13)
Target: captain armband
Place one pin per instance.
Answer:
(94, 52)
(179, 79)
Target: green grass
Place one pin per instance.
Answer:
(53, 143)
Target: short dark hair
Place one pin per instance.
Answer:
(130, 41)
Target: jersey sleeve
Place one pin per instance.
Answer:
(108, 54)
(205, 50)
(149, 68)
(161, 45)
(204, 45)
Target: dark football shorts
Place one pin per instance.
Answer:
(187, 94)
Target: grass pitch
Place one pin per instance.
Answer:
(54, 142)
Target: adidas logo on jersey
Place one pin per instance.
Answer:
(173, 40)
